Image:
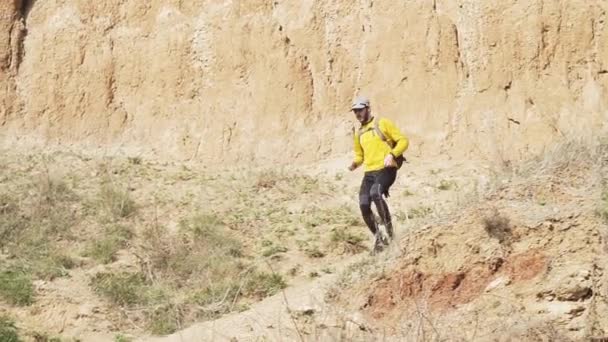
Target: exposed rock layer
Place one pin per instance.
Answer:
(219, 80)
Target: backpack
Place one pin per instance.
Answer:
(399, 159)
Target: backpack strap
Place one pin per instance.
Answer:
(378, 131)
(381, 135)
(362, 131)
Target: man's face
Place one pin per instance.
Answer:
(362, 114)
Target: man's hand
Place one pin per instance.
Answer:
(353, 167)
(389, 161)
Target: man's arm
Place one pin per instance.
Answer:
(358, 153)
(393, 133)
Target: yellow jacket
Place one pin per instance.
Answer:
(369, 148)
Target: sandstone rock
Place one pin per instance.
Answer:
(259, 80)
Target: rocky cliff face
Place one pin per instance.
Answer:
(220, 80)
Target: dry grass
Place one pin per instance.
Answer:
(33, 221)
(560, 160)
(114, 238)
(347, 241)
(190, 267)
(602, 209)
(116, 202)
(123, 289)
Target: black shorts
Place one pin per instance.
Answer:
(381, 179)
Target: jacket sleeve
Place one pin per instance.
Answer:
(393, 133)
(358, 150)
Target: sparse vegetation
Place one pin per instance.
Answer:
(287, 184)
(602, 210)
(350, 243)
(342, 216)
(114, 238)
(117, 203)
(273, 250)
(123, 289)
(419, 212)
(30, 227)
(135, 160)
(313, 251)
(8, 330)
(16, 287)
(261, 284)
(446, 185)
(205, 266)
(44, 337)
(164, 320)
(267, 180)
(121, 338)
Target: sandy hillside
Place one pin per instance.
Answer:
(176, 170)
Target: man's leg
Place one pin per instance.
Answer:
(365, 203)
(382, 183)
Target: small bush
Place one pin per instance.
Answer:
(124, 289)
(498, 227)
(8, 330)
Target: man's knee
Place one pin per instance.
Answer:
(376, 192)
(365, 204)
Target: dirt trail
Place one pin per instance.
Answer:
(276, 318)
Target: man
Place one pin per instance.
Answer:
(378, 146)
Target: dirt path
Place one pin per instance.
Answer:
(299, 313)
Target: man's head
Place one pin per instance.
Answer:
(362, 109)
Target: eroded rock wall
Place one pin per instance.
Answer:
(267, 80)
